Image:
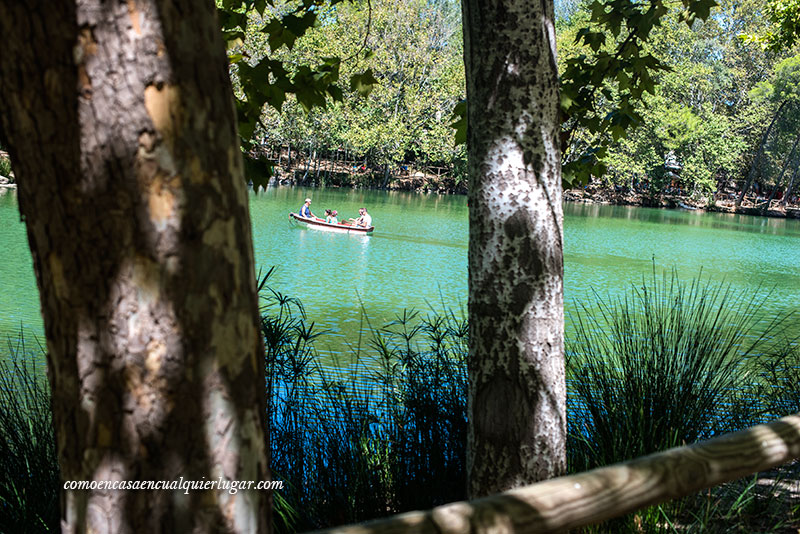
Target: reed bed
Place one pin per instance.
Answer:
(29, 474)
(385, 432)
(666, 364)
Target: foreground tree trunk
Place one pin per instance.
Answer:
(121, 128)
(517, 400)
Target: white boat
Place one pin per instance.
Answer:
(320, 224)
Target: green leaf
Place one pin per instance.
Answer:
(363, 83)
(335, 93)
(258, 171)
(701, 9)
(274, 96)
(460, 122)
(460, 127)
(566, 101)
(298, 25)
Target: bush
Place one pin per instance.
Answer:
(5, 166)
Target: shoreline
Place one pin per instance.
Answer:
(600, 196)
(606, 197)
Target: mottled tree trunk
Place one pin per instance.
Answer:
(517, 399)
(120, 122)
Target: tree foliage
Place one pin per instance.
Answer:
(784, 31)
(696, 100)
(412, 49)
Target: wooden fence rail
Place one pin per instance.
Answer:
(593, 496)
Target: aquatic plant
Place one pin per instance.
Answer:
(29, 473)
(662, 366)
(776, 383)
(380, 434)
(385, 432)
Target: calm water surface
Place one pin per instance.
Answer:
(417, 257)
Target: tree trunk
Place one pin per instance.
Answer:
(308, 166)
(785, 200)
(386, 176)
(133, 195)
(778, 182)
(757, 161)
(517, 399)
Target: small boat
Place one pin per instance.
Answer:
(320, 224)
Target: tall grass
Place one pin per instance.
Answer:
(29, 480)
(777, 381)
(381, 434)
(664, 365)
(669, 363)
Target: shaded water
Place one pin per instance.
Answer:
(417, 256)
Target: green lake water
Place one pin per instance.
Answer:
(417, 256)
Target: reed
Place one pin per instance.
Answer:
(668, 363)
(661, 366)
(386, 432)
(29, 484)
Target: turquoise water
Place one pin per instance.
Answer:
(417, 257)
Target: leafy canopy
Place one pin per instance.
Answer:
(268, 80)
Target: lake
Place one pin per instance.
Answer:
(417, 256)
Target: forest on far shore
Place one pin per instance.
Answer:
(724, 104)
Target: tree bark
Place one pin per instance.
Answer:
(120, 121)
(757, 162)
(517, 400)
(785, 200)
(386, 176)
(778, 182)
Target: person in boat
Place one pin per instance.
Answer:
(332, 218)
(327, 216)
(365, 220)
(305, 211)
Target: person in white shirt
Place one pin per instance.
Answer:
(364, 220)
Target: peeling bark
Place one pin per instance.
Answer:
(517, 400)
(120, 121)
